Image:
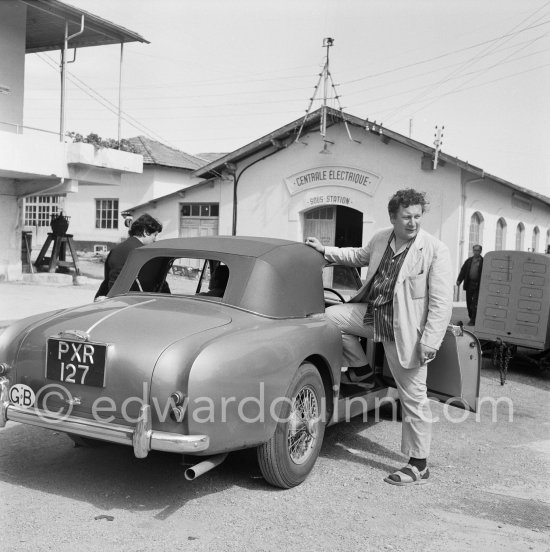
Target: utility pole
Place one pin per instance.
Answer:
(438, 142)
(327, 43)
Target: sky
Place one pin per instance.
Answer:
(219, 74)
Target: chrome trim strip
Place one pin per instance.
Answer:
(75, 335)
(116, 312)
(205, 299)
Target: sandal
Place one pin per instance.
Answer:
(409, 475)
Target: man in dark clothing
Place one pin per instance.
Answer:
(470, 274)
(218, 282)
(143, 231)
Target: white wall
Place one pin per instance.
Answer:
(134, 189)
(13, 18)
(266, 207)
(10, 241)
(13, 15)
(493, 201)
(167, 210)
(167, 180)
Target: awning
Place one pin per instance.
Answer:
(46, 27)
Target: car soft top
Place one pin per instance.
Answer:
(268, 276)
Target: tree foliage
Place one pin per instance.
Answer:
(98, 142)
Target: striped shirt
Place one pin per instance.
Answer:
(379, 301)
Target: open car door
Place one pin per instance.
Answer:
(454, 374)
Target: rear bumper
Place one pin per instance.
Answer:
(141, 436)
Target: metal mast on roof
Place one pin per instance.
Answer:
(438, 142)
(324, 76)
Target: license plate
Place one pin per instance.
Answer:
(78, 362)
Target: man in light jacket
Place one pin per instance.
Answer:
(405, 303)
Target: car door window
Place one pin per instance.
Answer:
(201, 277)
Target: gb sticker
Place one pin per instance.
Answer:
(21, 395)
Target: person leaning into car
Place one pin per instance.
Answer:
(405, 303)
(143, 231)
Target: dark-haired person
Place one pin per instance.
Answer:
(405, 303)
(470, 274)
(143, 231)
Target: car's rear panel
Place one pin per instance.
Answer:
(102, 356)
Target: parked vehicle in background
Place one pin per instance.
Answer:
(255, 365)
(514, 306)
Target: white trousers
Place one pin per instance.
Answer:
(416, 430)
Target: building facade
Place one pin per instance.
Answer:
(98, 211)
(336, 187)
(40, 162)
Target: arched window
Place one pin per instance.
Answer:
(476, 231)
(535, 239)
(520, 236)
(500, 239)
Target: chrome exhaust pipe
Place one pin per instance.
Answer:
(202, 467)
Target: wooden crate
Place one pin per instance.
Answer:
(514, 299)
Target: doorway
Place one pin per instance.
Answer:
(349, 227)
(335, 225)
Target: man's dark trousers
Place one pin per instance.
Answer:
(472, 294)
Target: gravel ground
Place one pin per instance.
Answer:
(489, 488)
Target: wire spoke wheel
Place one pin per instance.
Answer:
(303, 426)
(289, 456)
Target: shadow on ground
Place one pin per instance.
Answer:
(110, 477)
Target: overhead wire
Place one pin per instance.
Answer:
(286, 77)
(434, 58)
(496, 42)
(484, 83)
(432, 71)
(104, 101)
(461, 86)
(304, 88)
(424, 86)
(508, 36)
(241, 93)
(509, 59)
(199, 83)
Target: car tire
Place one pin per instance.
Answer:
(288, 457)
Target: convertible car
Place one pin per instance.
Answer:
(204, 346)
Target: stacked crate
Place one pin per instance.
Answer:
(514, 299)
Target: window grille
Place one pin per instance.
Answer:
(106, 214)
(200, 210)
(39, 209)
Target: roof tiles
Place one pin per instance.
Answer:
(156, 153)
